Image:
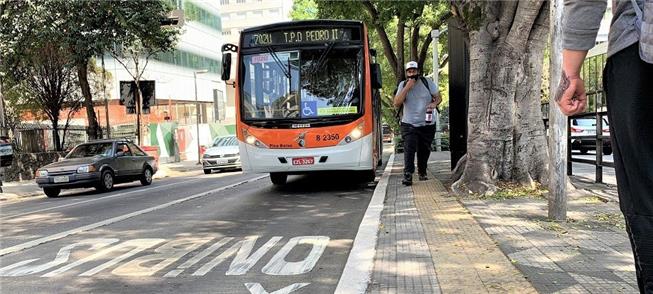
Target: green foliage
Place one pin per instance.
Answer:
(510, 190)
(304, 9)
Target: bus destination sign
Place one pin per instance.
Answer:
(298, 36)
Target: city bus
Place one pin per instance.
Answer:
(307, 98)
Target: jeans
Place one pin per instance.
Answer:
(627, 81)
(416, 140)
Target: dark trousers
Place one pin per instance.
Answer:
(416, 140)
(628, 82)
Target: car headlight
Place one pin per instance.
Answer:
(86, 169)
(42, 173)
(354, 135)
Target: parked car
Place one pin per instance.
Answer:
(587, 127)
(223, 154)
(99, 164)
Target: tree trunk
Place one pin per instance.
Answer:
(82, 73)
(506, 139)
(56, 139)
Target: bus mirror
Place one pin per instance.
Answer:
(377, 82)
(226, 66)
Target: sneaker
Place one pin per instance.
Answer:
(408, 179)
(423, 177)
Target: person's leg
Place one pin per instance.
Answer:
(629, 95)
(426, 134)
(409, 137)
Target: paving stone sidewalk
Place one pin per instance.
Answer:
(430, 244)
(590, 253)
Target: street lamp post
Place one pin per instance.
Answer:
(435, 34)
(197, 114)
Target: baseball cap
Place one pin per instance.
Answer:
(411, 64)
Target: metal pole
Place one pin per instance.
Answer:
(106, 101)
(558, 123)
(435, 34)
(197, 120)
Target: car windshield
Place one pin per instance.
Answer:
(225, 141)
(91, 150)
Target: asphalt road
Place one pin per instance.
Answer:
(219, 233)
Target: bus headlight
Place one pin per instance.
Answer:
(251, 140)
(354, 135)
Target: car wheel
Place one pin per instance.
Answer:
(51, 192)
(208, 171)
(106, 181)
(368, 176)
(607, 151)
(583, 151)
(278, 178)
(146, 178)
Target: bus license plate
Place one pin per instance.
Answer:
(303, 161)
(61, 179)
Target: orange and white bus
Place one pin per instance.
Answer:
(307, 98)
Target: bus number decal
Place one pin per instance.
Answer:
(327, 137)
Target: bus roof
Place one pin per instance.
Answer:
(304, 23)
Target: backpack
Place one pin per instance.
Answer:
(644, 26)
(401, 108)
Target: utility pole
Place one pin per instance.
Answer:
(106, 101)
(435, 34)
(557, 123)
(197, 115)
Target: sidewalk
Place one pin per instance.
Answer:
(431, 242)
(16, 190)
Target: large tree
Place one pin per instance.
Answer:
(506, 137)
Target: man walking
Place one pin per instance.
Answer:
(419, 97)
(627, 81)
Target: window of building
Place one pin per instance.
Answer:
(240, 1)
(189, 60)
(257, 13)
(241, 15)
(193, 12)
(224, 2)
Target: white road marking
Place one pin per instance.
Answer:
(243, 261)
(137, 245)
(180, 269)
(166, 255)
(278, 266)
(50, 238)
(256, 288)
(156, 187)
(358, 269)
(62, 257)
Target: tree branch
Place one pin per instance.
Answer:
(401, 31)
(385, 41)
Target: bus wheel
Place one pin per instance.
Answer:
(278, 178)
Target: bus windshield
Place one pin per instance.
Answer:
(302, 84)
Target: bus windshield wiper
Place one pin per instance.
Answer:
(320, 61)
(286, 71)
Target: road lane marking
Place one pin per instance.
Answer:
(156, 187)
(360, 263)
(256, 288)
(278, 266)
(243, 261)
(62, 257)
(50, 238)
(137, 246)
(166, 254)
(198, 257)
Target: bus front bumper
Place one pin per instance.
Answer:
(356, 155)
